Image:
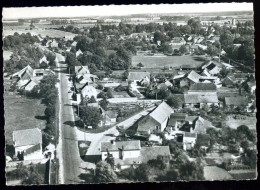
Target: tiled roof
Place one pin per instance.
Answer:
(126, 145)
(187, 134)
(138, 75)
(203, 87)
(201, 125)
(81, 69)
(193, 76)
(27, 137)
(198, 98)
(236, 101)
(148, 153)
(162, 112)
(26, 70)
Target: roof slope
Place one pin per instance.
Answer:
(126, 145)
(162, 112)
(138, 75)
(193, 76)
(199, 98)
(203, 87)
(236, 101)
(27, 137)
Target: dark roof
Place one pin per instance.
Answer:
(111, 114)
(27, 137)
(32, 149)
(211, 66)
(187, 134)
(126, 145)
(203, 86)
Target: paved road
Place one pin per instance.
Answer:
(70, 160)
(97, 138)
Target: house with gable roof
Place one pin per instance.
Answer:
(188, 79)
(156, 121)
(130, 153)
(28, 144)
(203, 88)
(79, 52)
(138, 77)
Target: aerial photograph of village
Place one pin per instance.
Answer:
(129, 93)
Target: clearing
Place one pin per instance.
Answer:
(173, 61)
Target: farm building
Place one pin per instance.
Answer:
(28, 144)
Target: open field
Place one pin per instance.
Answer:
(49, 32)
(22, 113)
(173, 61)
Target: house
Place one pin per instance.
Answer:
(189, 140)
(121, 150)
(81, 70)
(138, 77)
(203, 88)
(44, 61)
(212, 67)
(79, 52)
(74, 44)
(54, 44)
(196, 101)
(177, 41)
(155, 121)
(109, 117)
(229, 81)
(168, 83)
(188, 79)
(181, 122)
(86, 78)
(30, 85)
(59, 58)
(87, 91)
(25, 73)
(130, 153)
(28, 144)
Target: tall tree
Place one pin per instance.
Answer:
(104, 173)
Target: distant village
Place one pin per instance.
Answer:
(146, 119)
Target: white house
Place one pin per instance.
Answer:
(87, 91)
(28, 143)
(79, 52)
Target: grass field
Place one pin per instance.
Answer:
(174, 61)
(49, 32)
(22, 113)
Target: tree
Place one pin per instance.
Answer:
(195, 25)
(21, 171)
(140, 65)
(212, 50)
(158, 36)
(90, 115)
(160, 163)
(104, 173)
(104, 103)
(183, 49)
(173, 101)
(100, 87)
(92, 100)
(110, 160)
(50, 111)
(170, 175)
(142, 172)
(191, 171)
(34, 178)
(226, 39)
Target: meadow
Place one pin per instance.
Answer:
(167, 61)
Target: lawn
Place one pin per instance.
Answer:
(243, 174)
(174, 61)
(22, 113)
